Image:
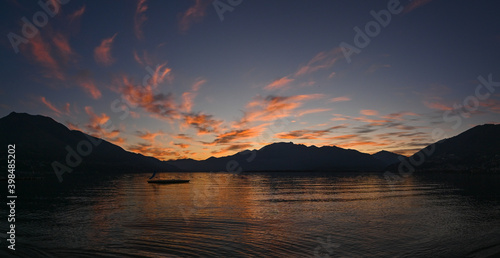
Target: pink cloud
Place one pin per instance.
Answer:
(140, 18)
(278, 84)
(40, 52)
(194, 14)
(77, 14)
(340, 99)
(368, 112)
(322, 60)
(438, 106)
(312, 111)
(102, 53)
(189, 96)
(54, 108)
(203, 123)
(274, 107)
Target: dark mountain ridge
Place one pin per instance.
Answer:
(40, 141)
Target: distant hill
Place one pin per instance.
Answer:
(387, 157)
(287, 157)
(475, 150)
(40, 141)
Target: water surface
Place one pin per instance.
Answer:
(260, 214)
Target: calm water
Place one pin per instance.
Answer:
(294, 215)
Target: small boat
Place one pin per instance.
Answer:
(167, 181)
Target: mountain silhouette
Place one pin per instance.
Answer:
(40, 141)
(387, 157)
(475, 150)
(287, 157)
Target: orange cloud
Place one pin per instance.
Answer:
(399, 115)
(90, 88)
(154, 151)
(361, 143)
(77, 14)
(40, 52)
(143, 96)
(98, 127)
(140, 18)
(194, 14)
(340, 99)
(84, 79)
(150, 137)
(188, 97)
(438, 106)
(182, 136)
(278, 84)
(203, 123)
(54, 108)
(232, 147)
(236, 135)
(182, 145)
(62, 44)
(343, 137)
(160, 74)
(322, 60)
(274, 107)
(102, 53)
(368, 112)
(306, 134)
(312, 111)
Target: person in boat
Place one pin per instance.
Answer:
(154, 174)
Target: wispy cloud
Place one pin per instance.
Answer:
(274, 107)
(237, 135)
(140, 18)
(278, 84)
(340, 99)
(84, 79)
(436, 105)
(40, 52)
(157, 104)
(97, 127)
(52, 107)
(148, 136)
(203, 123)
(194, 14)
(232, 148)
(77, 14)
(368, 112)
(102, 53)
(322, 60)
(162, 153)
(307, 134)
(62, 45)
(312, 111)
(189, 96)
(160, 73)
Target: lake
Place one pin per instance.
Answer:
(257, 214)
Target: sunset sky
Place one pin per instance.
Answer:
(201, 78)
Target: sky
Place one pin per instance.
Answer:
(201, 78)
